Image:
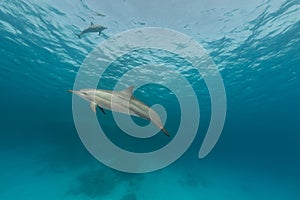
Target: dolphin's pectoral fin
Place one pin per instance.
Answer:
(92, 24)
(93, 106)
(99, 33)
(102, 110)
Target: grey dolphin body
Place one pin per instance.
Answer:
(91, 29)
(122, 102)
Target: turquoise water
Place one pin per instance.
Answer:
(254, 44)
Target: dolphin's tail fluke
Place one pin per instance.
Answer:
(79, 36)
(165, 132)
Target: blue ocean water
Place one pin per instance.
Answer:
(254, 44)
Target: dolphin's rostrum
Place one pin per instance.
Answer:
(122, 102)
(92, 28)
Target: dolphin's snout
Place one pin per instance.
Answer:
(77, 92)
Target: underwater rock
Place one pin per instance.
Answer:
(102, 182)
(130, 196)
(95, 183)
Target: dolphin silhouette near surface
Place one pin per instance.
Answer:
(122, 102)
(92, 29)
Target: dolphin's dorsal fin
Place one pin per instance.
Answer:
(127, 92)
(92, 24)
(93, 106)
